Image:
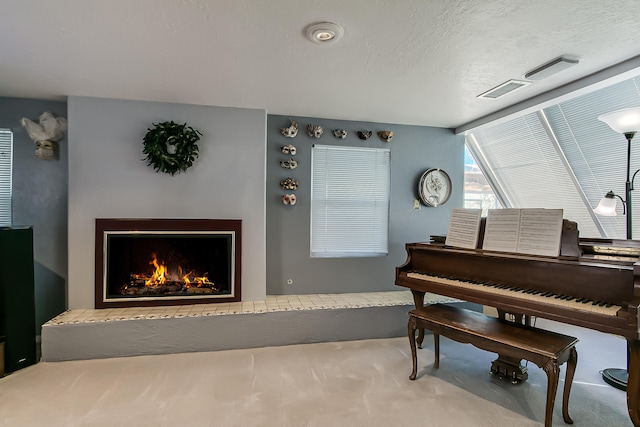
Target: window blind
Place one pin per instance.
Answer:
(349, 201)
(597, 154)
(529, 169)
(6, 166)
(564, 157)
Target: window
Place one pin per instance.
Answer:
(6, 166)
(349, 201)
(478, 194)
(562, 156)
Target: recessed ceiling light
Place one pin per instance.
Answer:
(324, 32)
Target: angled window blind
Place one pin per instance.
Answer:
(6, 166)
(349, 201)
(564, 157)
(530, 170)
(597, 154)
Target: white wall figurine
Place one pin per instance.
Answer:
(45, 133)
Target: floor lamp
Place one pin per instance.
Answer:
(627, 122)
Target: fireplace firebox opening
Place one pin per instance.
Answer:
(157, 262)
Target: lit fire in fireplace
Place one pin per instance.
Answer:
(158, 277)
(162, 281)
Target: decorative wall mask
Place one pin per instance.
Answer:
(340, 133)
(385, 135)
(289, 184)
(364, 135)
(290, 164)
(314, 131)
(45, 149)
(291, 131)
(45, 133)
(289, 149)
(289, 199)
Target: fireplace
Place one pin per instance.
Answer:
(156, 262)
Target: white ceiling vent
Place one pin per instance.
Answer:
(503, 89)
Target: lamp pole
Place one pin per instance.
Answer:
(628, 186)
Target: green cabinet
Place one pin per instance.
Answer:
(17, 298)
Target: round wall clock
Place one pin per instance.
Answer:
(434, 188)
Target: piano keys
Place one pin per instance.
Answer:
(557, 300)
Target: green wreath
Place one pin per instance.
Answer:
(180, 137)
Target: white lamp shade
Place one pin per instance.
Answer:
(606, 207)
(622, 121)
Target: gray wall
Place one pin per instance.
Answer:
(414, 149)
(105, 136)
(108, 179)
(40, 200)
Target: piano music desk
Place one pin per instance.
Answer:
(548, 350)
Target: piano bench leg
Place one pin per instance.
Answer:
(420, 337)
(412, 326)
(411, 329)
(568, 380)
(552, 370)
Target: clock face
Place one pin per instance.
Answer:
(434, 188)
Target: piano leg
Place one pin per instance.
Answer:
(418, 300)
(633, 383)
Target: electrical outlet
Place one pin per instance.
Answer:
(416, 204)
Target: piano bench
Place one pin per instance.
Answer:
(546, 349)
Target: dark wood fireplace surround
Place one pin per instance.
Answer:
(105, 225)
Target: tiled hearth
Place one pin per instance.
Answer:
(278, 320)
(273, 303)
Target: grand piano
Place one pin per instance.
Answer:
(592, 285)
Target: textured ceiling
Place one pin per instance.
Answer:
(417, 62)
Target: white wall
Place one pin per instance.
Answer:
(108, 179)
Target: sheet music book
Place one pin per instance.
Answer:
(531, 231)
(464, 227)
